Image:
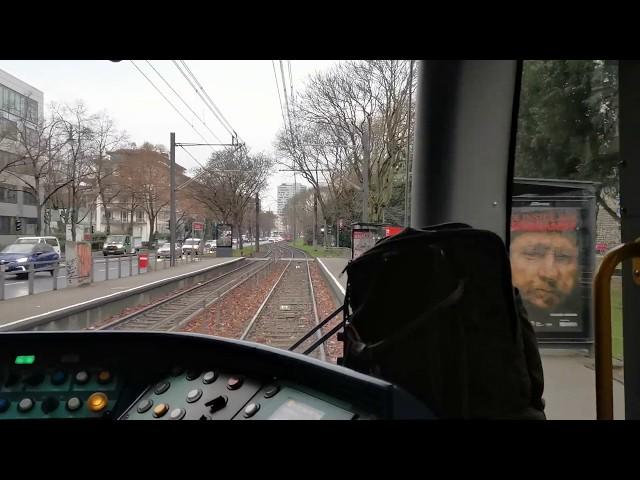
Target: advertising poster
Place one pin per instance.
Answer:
(78, 263)
(362, 239)
(224, 235)
(550, 252)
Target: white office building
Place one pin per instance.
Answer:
(285, 192)
(20, 104)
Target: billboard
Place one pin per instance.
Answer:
(551, 253)
(224, 236)
(362, 239)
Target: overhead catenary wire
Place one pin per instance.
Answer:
(220, 116)
(184, 102)
(168, 101)
(195, 88)
(275, 76)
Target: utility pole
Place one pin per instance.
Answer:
(172, 215)
(407, 180)
(295, 191)
(315, 210)
(257, 235)
(365, 174)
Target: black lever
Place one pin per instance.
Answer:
(217, 403)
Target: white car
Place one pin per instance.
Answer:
(51, 241)
(191, 245)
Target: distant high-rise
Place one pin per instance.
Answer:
(285, 192)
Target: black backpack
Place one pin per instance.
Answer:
(434, 311)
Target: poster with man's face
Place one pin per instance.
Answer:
(547, 265)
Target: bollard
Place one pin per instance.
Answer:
(130, 265)
(155, 263)
(30, 274)
(119, 268)
(2, 268)
(106, 267)
(55, 275)
(138, 258)
(93, 265)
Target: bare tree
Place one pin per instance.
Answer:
(337, 110)
(40, 151)
(229, 181)
(104, 174)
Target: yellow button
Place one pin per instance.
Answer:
(160, 410)
(97, 402)
(104, 376)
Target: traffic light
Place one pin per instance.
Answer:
(93, 229)
(329, 229)
(18, 224)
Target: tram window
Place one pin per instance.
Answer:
(565, 209)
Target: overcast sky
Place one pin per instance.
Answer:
(244, 91)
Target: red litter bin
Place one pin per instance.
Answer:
(143, 260)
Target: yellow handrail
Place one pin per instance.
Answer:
(602, 315)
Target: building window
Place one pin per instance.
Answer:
(8, 158)
(140, 216)
(32, 111)
(28, 198)
(124, 216)
(8, 129)
(32, 137)
(107, 214)
(8, 194)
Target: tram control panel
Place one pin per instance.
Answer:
(168, 376)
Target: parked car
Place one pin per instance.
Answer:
(53, 241)
(118, 245)
(191, 245)
(210, 246)
(165, 250)
(17, 257)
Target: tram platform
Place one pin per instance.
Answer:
(26, 307)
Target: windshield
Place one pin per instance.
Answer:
(18, 248)
(116, 239)
(27, 241)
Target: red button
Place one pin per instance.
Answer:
(234, 383)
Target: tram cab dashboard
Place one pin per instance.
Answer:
(176, 376)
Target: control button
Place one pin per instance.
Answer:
(35, 379)
(50, 404)
(25, 405)
(177, 371)
(160, 410)
(194, 395)
(11, 379)
(104, 377)
(251, 410)
(97, 402)
(162, 387)
(271, 391)
(209, 377)
(192, 374)
(145, 405)
(177, 414)
(217, 403)
(234, 383)
(4, 405)
(59, 377)
(82, 377)
(73, 404)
